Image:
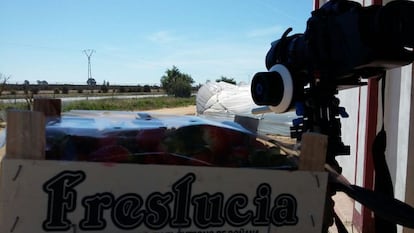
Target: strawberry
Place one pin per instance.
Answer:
(148, 140)
(239, 155)
(111, 153)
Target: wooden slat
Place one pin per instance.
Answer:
(26, 138)
(50, 107)
(313, 152)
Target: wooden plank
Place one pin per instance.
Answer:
(26, 137)
(313, 152)
(50, 107)
(43, 196)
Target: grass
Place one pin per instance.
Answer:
(132, 104)
(4, 107)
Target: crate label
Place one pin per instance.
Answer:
(55, 196)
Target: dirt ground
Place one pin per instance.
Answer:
(189, 110)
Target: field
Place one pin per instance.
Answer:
(118, 104)
(130, 104)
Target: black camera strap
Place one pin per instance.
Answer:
(385, 207)
(388, 210)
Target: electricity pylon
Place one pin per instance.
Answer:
(88, 53)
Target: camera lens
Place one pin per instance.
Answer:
(273, 88)
(267, 88)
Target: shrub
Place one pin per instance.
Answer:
(147, 88)
(104, 89)
(34, 91)
(65, 90)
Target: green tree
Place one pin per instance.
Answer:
(91, 82)
(147, 88)
(176, 83)
(65, 90)
(227, 80)
(105, 87)
(26, 86)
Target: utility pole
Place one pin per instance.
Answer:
(88, 53)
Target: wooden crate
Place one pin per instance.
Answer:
(38, 195)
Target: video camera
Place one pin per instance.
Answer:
(343, 43)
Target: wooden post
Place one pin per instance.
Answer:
(313, 152)
(312, 158)
(26, 136)
(50, 107)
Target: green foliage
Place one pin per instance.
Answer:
(176, 83)
(135, 89)
(227, 80)
(18, 105)
(91, 82)
(34, 91)
(147, 88)
(122, 90)
(181, 88)
(104, 88)
(65, 90)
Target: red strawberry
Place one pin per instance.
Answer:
(222, 141)
(240, 154)
(217, 139)
(148, 140)
(111, 153)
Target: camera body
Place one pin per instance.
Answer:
(343, 43)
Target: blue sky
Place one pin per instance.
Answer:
(136, 41)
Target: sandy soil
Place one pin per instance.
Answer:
(189, 110)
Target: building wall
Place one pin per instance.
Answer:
(409, 192)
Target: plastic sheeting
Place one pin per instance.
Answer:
(2, 138)
(223, 101)
(147, 138)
